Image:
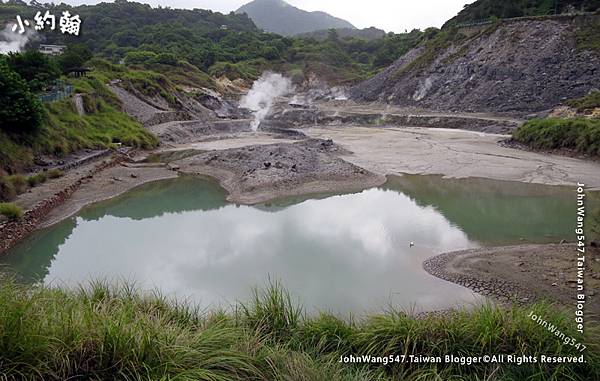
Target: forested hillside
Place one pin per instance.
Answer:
(217, 44)
(482, 10)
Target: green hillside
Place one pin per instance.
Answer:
(121, 30)
(490, 9)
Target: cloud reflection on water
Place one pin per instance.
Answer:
(346, 253)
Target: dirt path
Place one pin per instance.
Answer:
(454, 153)
(523, 273)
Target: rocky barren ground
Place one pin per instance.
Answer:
(258, 173)
(516, 67)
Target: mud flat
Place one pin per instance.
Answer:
(258, 173)
(523, 273)
(455, 154)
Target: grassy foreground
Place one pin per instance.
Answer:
(105, 333)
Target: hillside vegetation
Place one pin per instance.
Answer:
(579, 135)
(106, 333)
(483, 10)
(58, 129)
(136, 32)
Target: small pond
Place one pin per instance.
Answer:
(344, 254)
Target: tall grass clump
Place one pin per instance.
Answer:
(581, 135)
(271, 313)
(55, 173)
(37, 179)
(10, 210)
(19, 183)
(587, 103)
(7, 189)
(105, 332)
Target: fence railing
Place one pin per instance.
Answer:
(57, 94)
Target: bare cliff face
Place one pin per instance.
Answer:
(516, 67)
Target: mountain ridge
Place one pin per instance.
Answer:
(277, 16)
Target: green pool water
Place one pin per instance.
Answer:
(347, 253)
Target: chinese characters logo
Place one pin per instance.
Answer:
(67, 23)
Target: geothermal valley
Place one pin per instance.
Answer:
(419, 157)
(276, 142)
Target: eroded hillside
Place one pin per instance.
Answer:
(518, 66)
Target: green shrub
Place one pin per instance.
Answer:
(140, 57)
(19, 183)
(233, 70)
(20, 109)
(7, 190)
(37, 179)
(581, 135)
(12, 211)
(55, 173)
(587, 103)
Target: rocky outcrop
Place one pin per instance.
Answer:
(517, 67)
(153, 111)
(189, 131)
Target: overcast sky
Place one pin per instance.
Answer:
(390, 15)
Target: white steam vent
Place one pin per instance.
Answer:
(264, 91)
(14, 42)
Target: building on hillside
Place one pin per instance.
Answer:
(53, 50)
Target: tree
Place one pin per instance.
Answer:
(75, 56)
(166, 59)
(20, 110)
(36, 68)
(140, 57)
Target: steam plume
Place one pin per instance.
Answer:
(264, 91)
(14, 42)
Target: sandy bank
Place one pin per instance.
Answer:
(523, 273)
